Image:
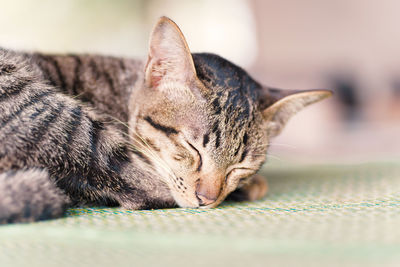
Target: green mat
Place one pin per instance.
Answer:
(316, 215)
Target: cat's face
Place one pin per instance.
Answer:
(203, 123)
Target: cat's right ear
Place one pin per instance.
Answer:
(169, 56)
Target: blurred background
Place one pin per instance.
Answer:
(349, 46)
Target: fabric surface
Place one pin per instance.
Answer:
(329, 215)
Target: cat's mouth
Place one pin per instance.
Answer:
(192, 200)
(185, 201)
(196, 200)
(213, 204)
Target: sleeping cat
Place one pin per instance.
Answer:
(181, 129)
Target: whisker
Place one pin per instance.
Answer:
(157, 159)
(78, 95)
(275, 157)
(284, 145)
(154, 155)
(148, 149)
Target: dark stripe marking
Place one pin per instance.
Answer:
(117, 158)
(35, 99)
(167, 130)
(243, 155)
(44, 66)
(110, 82)
(14, 89)
(95, 130)
(7, 69)
(216, 106)
(39, 132)
(237, 150)
(73, 125)
(245, 137)
(57, 67)
(215, 127)
(77, 81)
(38, 112)
(206, 139)
(95, 69)
(122, 64)
(47, 75)
(217, 138)
(142, 156)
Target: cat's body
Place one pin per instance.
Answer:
(87, 156)
(97, 130)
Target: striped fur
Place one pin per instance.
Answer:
(42, 127)
(179, 129)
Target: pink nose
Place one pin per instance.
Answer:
(204, 201)
(207, 193)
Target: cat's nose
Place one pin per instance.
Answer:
(207, 193)
(204, 200)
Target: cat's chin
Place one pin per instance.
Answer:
(194, 204)
(185, 201)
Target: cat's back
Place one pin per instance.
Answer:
(103, 82)
(28, 108)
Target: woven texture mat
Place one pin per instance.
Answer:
(346, 215)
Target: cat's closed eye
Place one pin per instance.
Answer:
(178, 157)
(199, 158)
(240, 174)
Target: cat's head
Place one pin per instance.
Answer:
(203, 122)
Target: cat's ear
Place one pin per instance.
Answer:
(278, 106)
(169, 56)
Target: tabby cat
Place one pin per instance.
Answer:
(181, 129)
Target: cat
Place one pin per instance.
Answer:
(181, 129)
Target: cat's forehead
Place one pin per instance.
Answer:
(222, 75)
(232, 104)
(229, 87)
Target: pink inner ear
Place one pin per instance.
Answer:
(155, 81)
(157, 72)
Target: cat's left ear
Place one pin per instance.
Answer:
(169, 56)
(278, 106)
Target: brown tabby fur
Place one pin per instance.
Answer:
(181, 129)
